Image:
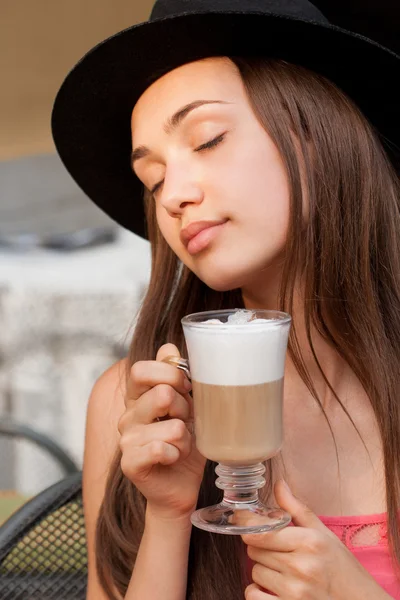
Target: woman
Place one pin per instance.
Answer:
(268, 187)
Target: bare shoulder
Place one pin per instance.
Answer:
(105, 407)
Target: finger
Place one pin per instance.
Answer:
(254, 592)
(167, 350)
(146, 457)
(173, 432)
(300, 513)
(284, 540)
(146, 374)
(170, 351)
(161, 401)
(268, 579)
(278, 561)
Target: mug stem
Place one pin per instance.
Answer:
(240, 484)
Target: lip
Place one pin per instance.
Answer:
(191, 238)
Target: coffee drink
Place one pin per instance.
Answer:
(239, 424)
(236, 364)
(237, 376)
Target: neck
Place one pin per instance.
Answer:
(335, 369)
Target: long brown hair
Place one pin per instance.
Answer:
(349, 258)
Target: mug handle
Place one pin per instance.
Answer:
(180, 363)
(183, 365)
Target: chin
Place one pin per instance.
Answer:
(222, 282)
(227, 271)
(217, 287)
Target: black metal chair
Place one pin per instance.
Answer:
(12, 429)
(30, 462)
(43, 546)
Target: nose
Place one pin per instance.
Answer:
(180, 189)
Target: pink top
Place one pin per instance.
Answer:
(366, 537)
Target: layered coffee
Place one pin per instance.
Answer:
(237, 376)
(238, 425)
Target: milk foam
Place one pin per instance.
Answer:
(246, 354)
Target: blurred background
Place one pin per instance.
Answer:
(71, 281)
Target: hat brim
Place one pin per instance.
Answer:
(92, 111)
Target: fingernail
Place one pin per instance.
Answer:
(286, 486)
(187, 384)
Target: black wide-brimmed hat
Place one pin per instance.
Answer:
(92, 111)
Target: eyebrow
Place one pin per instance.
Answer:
(172, 124)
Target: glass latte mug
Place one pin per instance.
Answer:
(237, 360)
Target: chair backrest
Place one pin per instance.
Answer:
(43, 546)
(31, 460)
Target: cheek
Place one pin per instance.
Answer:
(255, 179)
(170, 230)
(264, 197)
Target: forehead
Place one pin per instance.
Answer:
(209, 79)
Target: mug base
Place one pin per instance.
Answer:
(239, 518)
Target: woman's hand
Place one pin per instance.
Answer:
(158, 451)
(306, 562)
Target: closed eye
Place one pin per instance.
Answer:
(207, 146)
(156, 187)
(212, 143)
